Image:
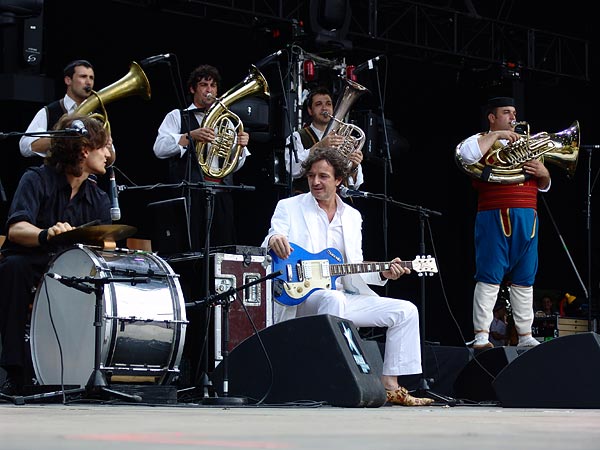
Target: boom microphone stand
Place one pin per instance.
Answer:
(423, 389)
(97, 384)
(225, 299)
(590, 188)
(210, 190)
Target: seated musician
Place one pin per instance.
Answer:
(318, 220)
(50, 199)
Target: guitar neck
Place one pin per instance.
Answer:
(364, 267)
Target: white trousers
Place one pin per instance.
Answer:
(401, 317)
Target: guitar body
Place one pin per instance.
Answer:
(303, 273)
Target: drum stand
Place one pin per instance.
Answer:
(97, 385)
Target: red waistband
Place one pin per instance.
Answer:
(213, 180)
(497, 196)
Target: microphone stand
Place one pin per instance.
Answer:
(423, 389)
(590, 187)
(210, 191)
(225, 299)
(387, 164)
(293, 151)
(97, 386)
(48, 133)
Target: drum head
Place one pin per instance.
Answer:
(142, 325)
(64, 315)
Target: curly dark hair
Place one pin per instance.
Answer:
(333, 156)
(204, 71)
(65, 149)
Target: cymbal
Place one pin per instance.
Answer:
(94, 234)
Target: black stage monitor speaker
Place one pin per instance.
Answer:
(560, 373)
(318, 358)
(474, 382)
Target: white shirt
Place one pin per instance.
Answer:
(167, 145)
(303, 154)
(39, 124)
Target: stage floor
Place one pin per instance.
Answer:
(137, 427)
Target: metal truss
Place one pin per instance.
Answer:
(412, 30)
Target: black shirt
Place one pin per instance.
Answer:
(43, 198)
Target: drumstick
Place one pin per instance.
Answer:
(89, 224)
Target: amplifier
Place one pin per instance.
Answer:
(249, 308)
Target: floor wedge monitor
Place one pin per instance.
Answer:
(560, 373)
(318, 358)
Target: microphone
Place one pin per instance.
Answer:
(152, 60)
(268, 59)
(347, 193)
(115, 211)
(367, 65)
(72, 283)
(78, 127)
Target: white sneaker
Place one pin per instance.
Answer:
(528, 341)
(482, 341)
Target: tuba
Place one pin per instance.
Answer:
(354, 137)
(134, 82)
(504, 163)
(219, 158)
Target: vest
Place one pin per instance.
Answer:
(54, 111)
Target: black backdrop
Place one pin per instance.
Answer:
(431, 107)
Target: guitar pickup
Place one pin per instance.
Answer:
(324, 269)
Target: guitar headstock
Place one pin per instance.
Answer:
(424, 265)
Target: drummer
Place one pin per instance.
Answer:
(50, 199)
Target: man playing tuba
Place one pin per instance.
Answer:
(319, 107)
(174, 145)
(506, 228)
(79, 78)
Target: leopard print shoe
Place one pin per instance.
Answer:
(401, 396)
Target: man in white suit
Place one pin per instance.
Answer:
(320, 219)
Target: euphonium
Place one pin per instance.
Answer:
(354, 137)
(134, 82)
(219, 158)
(504, 163)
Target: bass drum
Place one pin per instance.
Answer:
(143, 325)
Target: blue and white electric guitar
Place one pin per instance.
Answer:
(304, 272)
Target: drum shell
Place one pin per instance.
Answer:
(142, 326)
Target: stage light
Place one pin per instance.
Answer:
(350, 73)
(330, 21)
(309, 70)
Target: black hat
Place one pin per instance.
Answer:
(497, 102)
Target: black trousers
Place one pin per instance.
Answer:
(19, 274)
